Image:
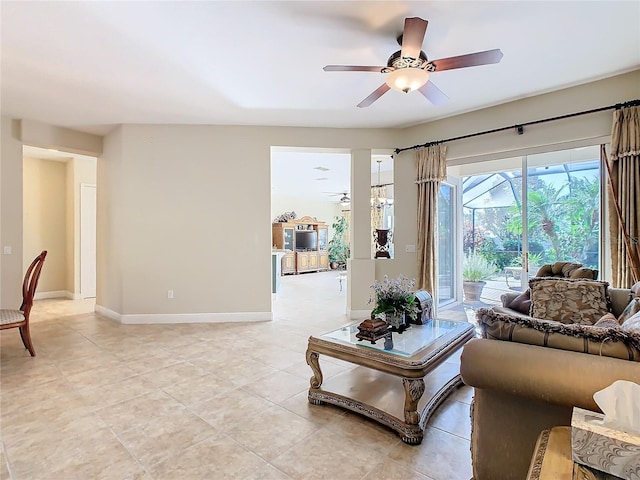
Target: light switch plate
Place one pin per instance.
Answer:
(6, 250)
(410, 248)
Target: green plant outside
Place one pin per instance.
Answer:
(476, 268)
(563, 225)
(339, 251)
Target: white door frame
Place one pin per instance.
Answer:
(87, 240)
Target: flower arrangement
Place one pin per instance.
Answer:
(395, 297)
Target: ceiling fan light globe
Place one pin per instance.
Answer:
(407, 79)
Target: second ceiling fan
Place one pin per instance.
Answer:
(408, 69)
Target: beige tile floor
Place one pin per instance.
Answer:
(226, 401)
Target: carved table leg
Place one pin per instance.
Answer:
(313, 360)
(413, 391)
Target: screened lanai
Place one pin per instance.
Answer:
(556, 217)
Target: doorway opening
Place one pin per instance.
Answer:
(59, 215)
(310, 198)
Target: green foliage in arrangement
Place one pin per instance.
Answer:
(395, 297)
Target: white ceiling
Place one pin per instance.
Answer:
(90, 65)
(320, 175)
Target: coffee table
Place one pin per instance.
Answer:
(393, 374)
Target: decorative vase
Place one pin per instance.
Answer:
(397, 321)
(382, 239)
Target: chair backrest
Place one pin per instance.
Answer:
(31, 282)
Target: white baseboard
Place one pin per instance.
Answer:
(105, 312)
(54, 294)
(167, 318)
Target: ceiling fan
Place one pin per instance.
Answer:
(343, 199)
(408, 69)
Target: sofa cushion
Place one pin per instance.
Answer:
(630, 310)
(522, 303)
(568, 300)
(498, 324)
(619, 298)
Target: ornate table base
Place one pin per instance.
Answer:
(400, 393)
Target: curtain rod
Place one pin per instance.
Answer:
(520, 126)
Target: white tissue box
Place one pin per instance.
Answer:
(603, 448)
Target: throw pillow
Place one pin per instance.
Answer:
(567, 300)
(630, 310)
(608, 320)
(632, 324)
(522, 303)
(584, 272)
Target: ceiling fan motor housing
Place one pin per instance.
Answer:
(396, 61)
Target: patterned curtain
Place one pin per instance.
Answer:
(624, 197)
(431, 170)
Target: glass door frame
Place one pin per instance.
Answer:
(455, 183)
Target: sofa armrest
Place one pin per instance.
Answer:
(551, 375)
(520, 390)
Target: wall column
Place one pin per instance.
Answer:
(361, 267)
(11, 214)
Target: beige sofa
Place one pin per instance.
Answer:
(521, 389)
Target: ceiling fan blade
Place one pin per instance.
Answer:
(381, 90)
(413, 36)
(468, 60)
(433, 93)
(352, 68)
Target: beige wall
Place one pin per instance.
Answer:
(10, 214)
(109, 226)
(44, 223)
(189, 211)
(14, 134)
(542, 137)
(162, 224)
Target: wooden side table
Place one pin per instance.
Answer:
(552, 459)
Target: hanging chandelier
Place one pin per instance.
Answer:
(379, 199)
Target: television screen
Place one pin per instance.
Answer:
(306, 240)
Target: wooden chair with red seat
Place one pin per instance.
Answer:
(20, 318)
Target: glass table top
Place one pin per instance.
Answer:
(405, 344)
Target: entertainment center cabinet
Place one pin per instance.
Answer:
(306, 241)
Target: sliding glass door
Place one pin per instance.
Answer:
(563, 207)
(446, 244)
(520, 213)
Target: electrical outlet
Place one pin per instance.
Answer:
(7, 250)
(410, 248)
(169, 293)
